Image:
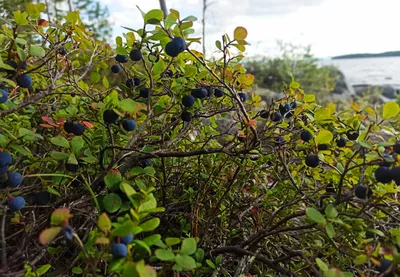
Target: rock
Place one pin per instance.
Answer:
(342, 86)
(389, 92)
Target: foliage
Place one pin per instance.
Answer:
(191, 198)
(273, 73)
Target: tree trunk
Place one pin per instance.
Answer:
(163, 7)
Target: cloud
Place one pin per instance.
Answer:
(332, 27)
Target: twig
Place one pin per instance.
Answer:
(3, 237)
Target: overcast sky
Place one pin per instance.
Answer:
(331, 27)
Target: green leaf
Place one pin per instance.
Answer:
(49, 234)
(172, 241)
(121, 51)
(165, 255)
(21, 54)
(72, 159)
(124, 229)
(360, 259)
(112, 202)
(127, 189)
(3, 140)
(22, 149)
(365, 144)
(95, 77)
(60, 141)
(143, 245)
(190, 18)
(104, 223)
(324, 137)
(77, 270)
(59, 156)
(218, 44)
(43, 269)
(323, 266)
(8, 82)
(315, 215)
(113, 179)
(199, 255)
(189, 246)
(186, 262)
(150, 225)
(37, 51)
(106, 84)
(154, 16)
(377, 232)
(77, 144)
(330, 211)
(308, 98)
(149, 203)
(211, 264)
(129, 269)
(118, 41)
(170, 20)
(240, 33)
(152, 239)
(330, 230)
(390, 109)
(128, 105)
(20, 18)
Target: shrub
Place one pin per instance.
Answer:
(195, 199)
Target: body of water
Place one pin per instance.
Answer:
(372, 71)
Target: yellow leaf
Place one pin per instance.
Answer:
(355, 106)
(390, 109)
(240, 33)
(324, 137)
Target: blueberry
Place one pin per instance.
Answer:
(17, 203)
(121, 58)
(119, 250)
(69, 127)
(188, 101)
(145, 163)
(62, 52)
(129, 124)
(136, 81)
(115, 68)
(363, 192)
(24, 81)
(383, 175)
(218, 93)
(135, 55)
(395, 174)
(175, 47)
(71, 167)
(242, 96)
(5, 159)
(3, 170)
(68, 232)
(199, 93)
(78, 129)
(42, 198)
(4, 96)
(109, 116)
(322, 147)
(126, 239)
(396, 147)
(276, 116)
(352, 135)
(312, 160)
(341, 142)
(264, 114)
(129, 83)
(385, 265)
(186, 116)
(13, 64)
(305, 135)
(14, 179)
(144, 92)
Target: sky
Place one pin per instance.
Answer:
(330, 27)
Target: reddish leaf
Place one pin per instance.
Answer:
(88, 124)
(60, 121)
(49, 234)
(46, 125)
(48, 120)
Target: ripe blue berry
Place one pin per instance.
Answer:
(129, 124)
(78, 129)
(14, 179)
(5, 159)
(17, 203)
(3, 96)
(24, 81)
(119, 250)
(127, 239)
(135, 55)
(115, 68)
(188, 101)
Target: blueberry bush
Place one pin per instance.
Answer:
(145, 159)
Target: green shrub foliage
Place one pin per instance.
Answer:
(170, 163)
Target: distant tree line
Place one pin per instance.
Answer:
(94, 15)
(366, 55)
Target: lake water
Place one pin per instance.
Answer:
(373, 71)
